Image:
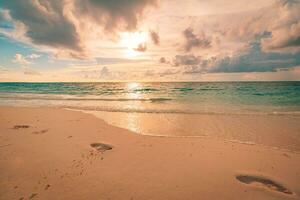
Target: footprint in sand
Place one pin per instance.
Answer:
(47, 186)
(101, 147)
(41, 131)
(263, 182)
(20, 126)
(33, 195)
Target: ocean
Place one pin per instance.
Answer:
(169, 108)
(188, 98)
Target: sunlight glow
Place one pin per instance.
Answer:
(132, 86)
(131, 41)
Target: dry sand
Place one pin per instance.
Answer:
(48, 153)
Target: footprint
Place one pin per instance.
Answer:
(40, 132)
(286, 155)
(20, 126)
(33, 195)
(265, 182)
(47, 186)
(101, 146)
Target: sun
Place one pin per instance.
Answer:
(131, 41)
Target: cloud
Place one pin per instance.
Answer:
(5, 20)
(255, 60)
(195, 41)
(281, 21)
(190, 59)
(154, 37)
(104, 72)
(264, 40)
(20, 59)
(33, 56)
(163, 60)
(4, 16)
(24, 62)
(46, 22)
(114, 15)
(252, 59)
(286, 29)
(193, 64)
(79, 28)
(141, 47)
(67, 26)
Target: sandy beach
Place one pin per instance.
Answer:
(50, 153)
(149, 100)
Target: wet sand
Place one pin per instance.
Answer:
(49, 153)
(273, 130)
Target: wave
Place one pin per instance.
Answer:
(146, 90)
(17, 97)
(176, 111)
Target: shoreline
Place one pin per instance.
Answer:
(57, 144)
(292, 111)
(272, 131)
(203, 136)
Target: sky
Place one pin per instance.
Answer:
(149, 40)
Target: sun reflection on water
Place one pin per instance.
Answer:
(131, 119)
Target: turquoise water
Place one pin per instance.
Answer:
(195, 97)
(266, 113)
